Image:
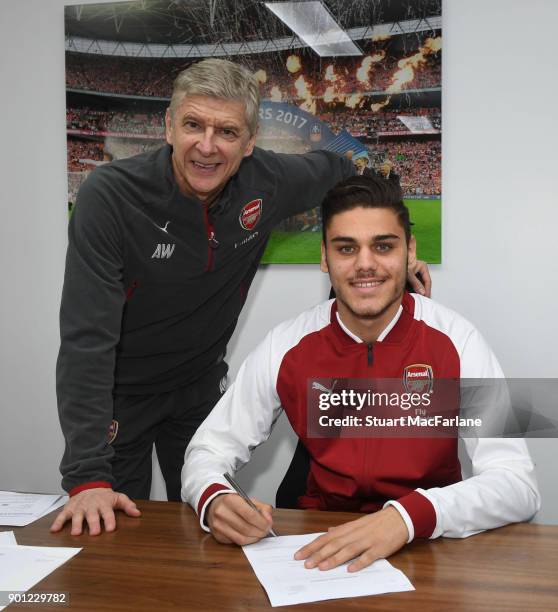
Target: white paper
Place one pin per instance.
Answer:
(7, 538)
(20, 509)
(57, 504)
(288, 582)
(21, 567)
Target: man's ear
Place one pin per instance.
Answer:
(323, 260)
(168, 126)
(412, 253)
(251, 143)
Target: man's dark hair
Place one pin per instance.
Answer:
(368, 192)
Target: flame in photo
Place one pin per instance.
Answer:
(303, 91)
(334, 91)
(329, 94)
(362, 71)
(354, 100)
(366, 65)
(407, 65)
(276, 95)
(261, 76)
(293, 63)
(379, 105)
(433, 44)
(330, 74)
(309, 106)
(302, 88)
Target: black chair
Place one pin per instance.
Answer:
(293, 484)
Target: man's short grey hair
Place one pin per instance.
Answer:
(219, 78)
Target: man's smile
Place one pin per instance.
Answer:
(204, 167)
(366, 283)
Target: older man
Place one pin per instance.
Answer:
(162, 250)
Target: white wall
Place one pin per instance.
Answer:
(499, 225)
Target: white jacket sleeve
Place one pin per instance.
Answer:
(503, 488)
(242, 419)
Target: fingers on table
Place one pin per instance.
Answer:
(335, 548)
(123, 502)
(96, 509)
(60, 520)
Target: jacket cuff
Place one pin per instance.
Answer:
(101, 484)
(207, 496)
(421, 511)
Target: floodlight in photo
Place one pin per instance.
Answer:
(313, 24)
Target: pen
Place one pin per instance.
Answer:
(245, 497)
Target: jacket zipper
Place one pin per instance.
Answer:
(369, 445)
(212, 242)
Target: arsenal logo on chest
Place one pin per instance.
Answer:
(418, 378)
(250, 214)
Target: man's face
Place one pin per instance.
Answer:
(360, 163)
(366, 256)
(209, 137)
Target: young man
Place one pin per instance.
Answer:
(373, 329)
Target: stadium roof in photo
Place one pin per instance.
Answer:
(201, 28)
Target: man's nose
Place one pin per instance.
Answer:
(206, 143)
(366, 260)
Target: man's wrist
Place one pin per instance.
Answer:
(213, 491)
(98, 484)
(405, 516)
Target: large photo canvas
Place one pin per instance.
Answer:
(361, 78)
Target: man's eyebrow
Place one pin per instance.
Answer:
(189, 116)
(342, 239)
(378, 238)
(381, 237)
(228, 124)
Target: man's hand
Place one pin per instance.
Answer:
(91, 506)
(369, 538)
(231, 520)
(424, 287)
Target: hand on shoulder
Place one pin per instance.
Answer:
(419, 278)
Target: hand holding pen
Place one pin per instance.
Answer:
(232, 518)
(245, 497)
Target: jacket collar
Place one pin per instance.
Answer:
(394, 333)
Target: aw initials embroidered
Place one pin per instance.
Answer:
(163, 251)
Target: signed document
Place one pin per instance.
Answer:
(288, 582)
(21, 567)
(20, 509)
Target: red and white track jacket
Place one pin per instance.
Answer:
(421, 477)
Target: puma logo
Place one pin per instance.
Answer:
(318, 387)
(163, 228)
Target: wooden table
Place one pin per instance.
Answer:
(163, 561)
